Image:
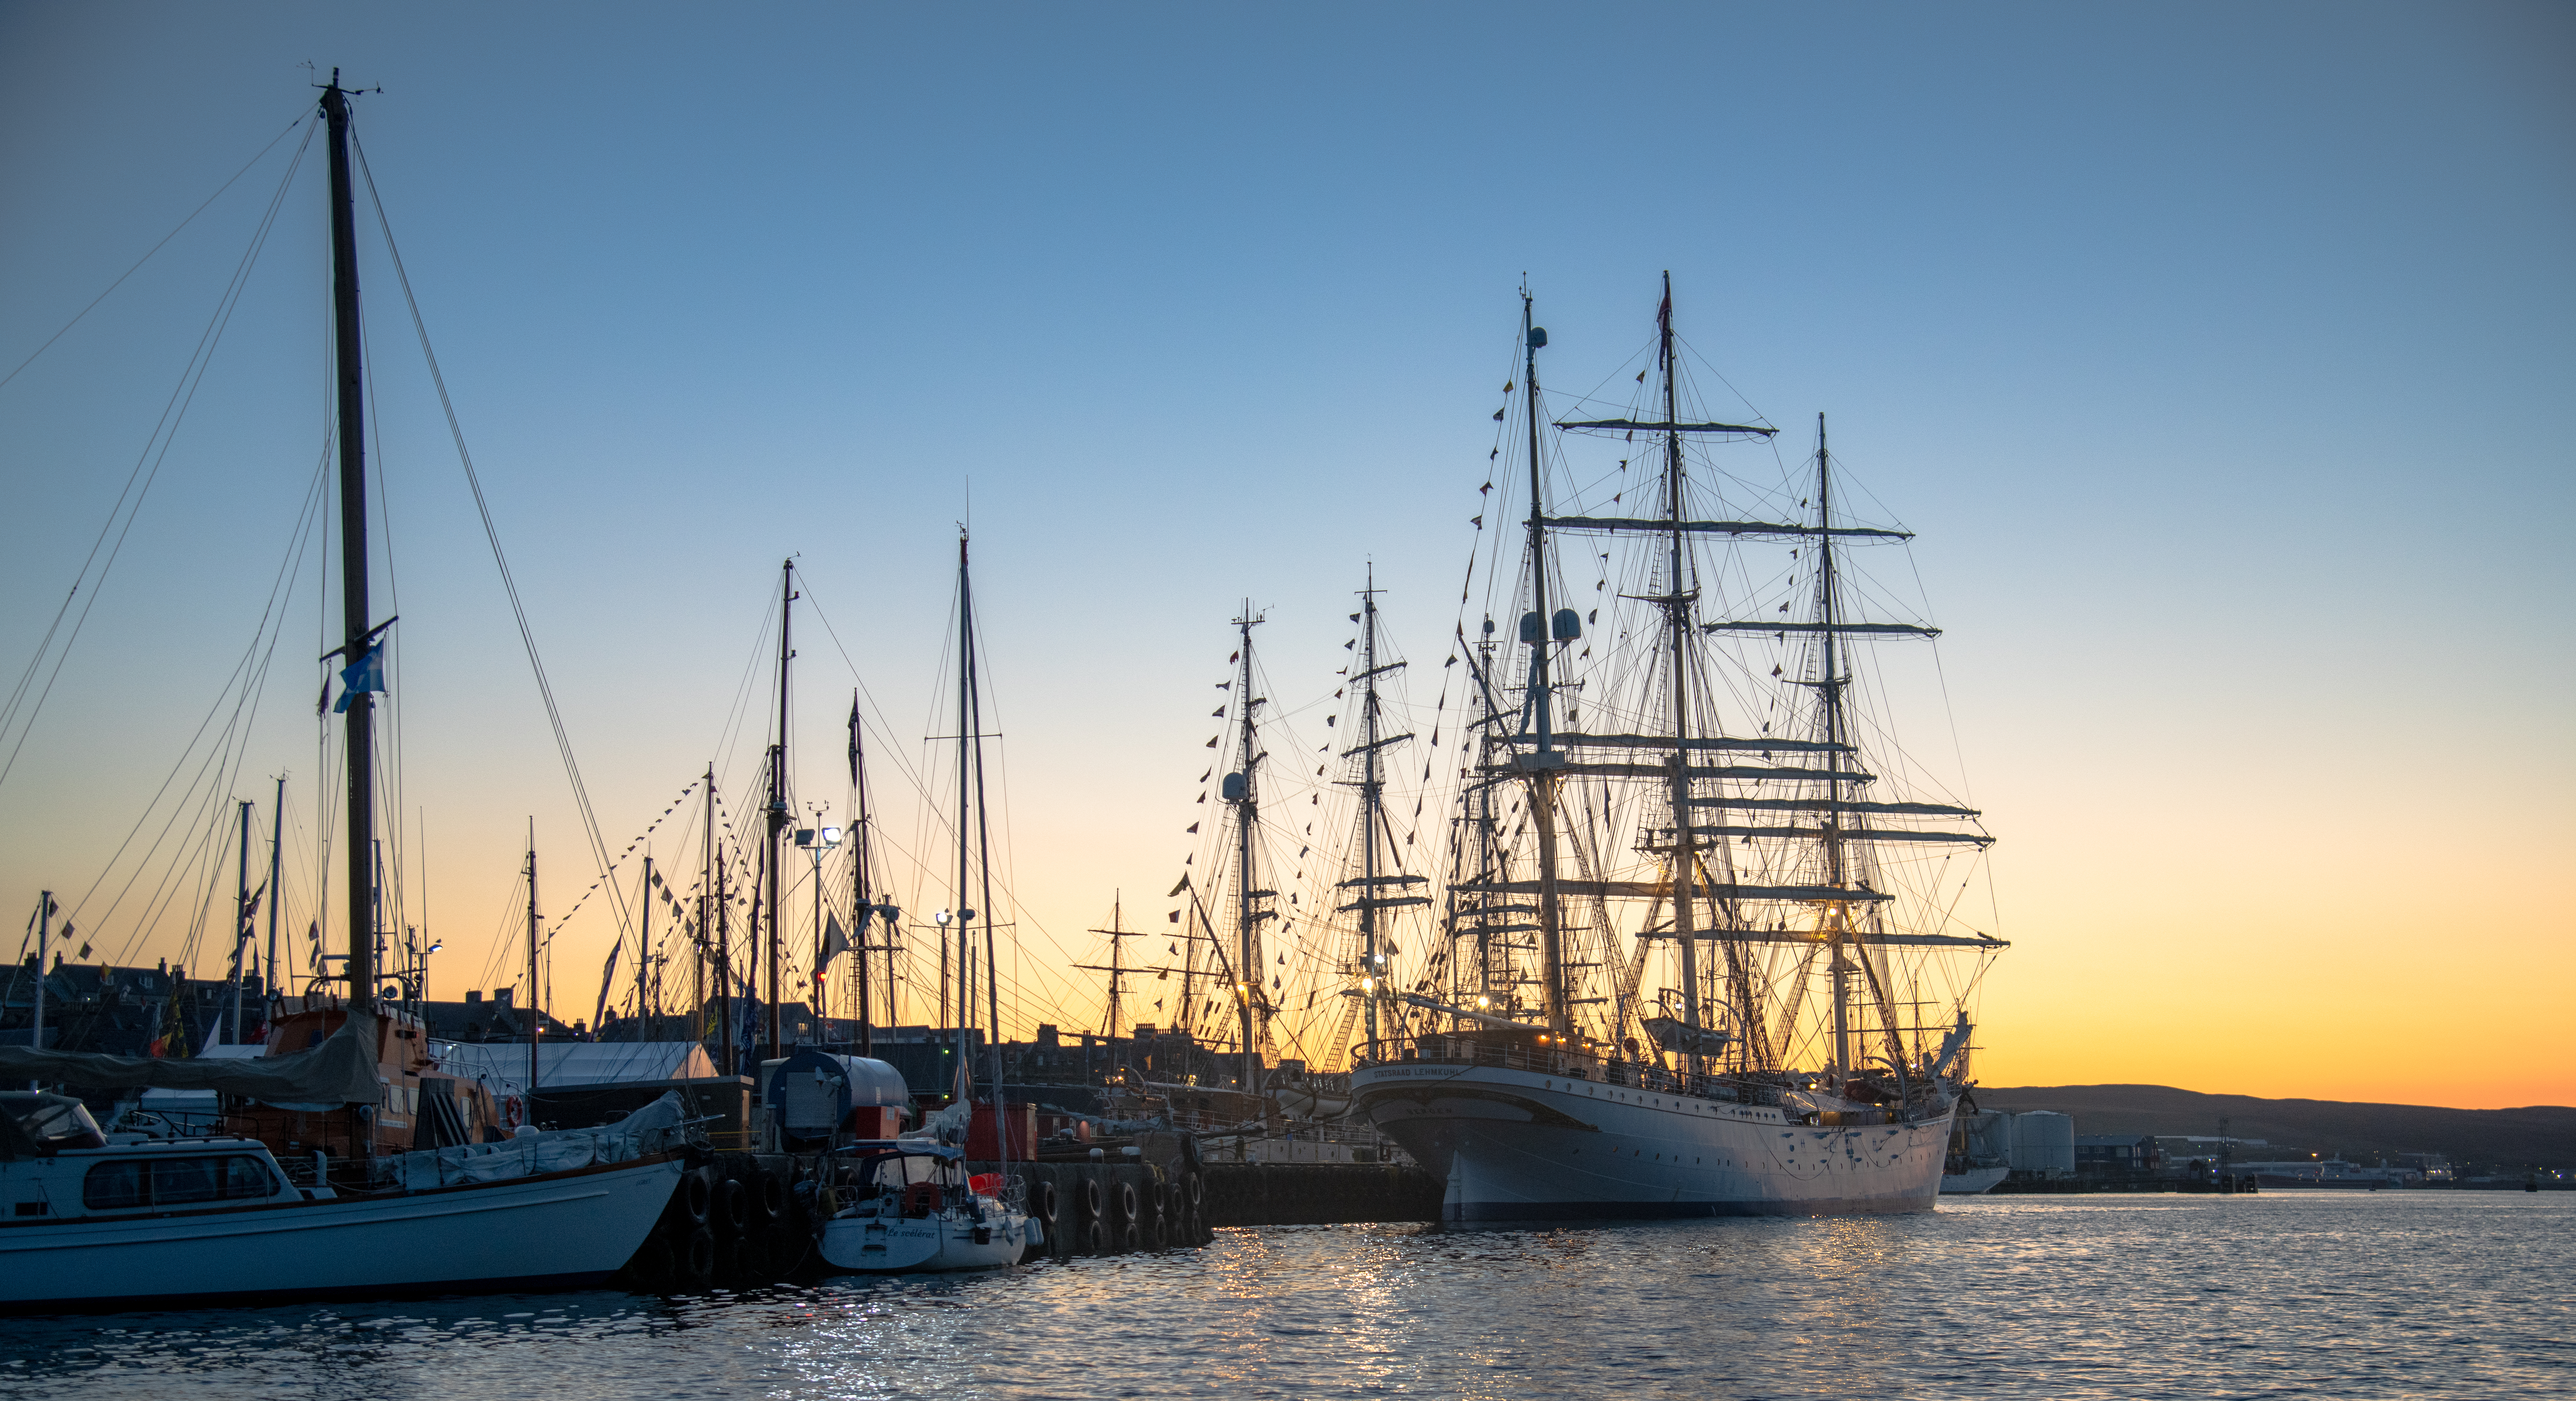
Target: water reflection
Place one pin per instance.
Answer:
(2421, 1294)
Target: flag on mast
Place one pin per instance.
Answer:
(835, 941)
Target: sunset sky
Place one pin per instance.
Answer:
(2219, 355)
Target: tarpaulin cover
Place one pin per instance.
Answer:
(340, 1071)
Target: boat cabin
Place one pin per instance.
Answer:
(56, 1164)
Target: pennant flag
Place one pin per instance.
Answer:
(1175, 916)
(1177, 887)
(1212, 739)
(1498, 415)
(1194, 827)
(854, 740)
(606, 976)
(366, 674)
(835, 941)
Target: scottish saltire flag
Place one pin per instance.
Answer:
(367, 673)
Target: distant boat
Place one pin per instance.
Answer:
(2322, 1173)
(1971, 1182)
(1700, 789)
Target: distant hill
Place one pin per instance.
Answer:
(2542, 1135)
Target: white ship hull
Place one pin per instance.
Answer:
(1973, 1182)
(1519, 1145)
(556, 1231)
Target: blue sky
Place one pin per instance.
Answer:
(2220, 355)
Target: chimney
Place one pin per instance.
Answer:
(473, 996)
(505, 996)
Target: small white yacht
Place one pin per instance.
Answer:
(917, 1211)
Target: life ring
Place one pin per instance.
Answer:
(514, 1111)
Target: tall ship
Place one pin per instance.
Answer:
(1702, 946)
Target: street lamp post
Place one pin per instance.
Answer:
(818, 841)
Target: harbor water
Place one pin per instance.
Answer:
(2396, 1294)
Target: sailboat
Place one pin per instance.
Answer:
(912, 1204)
(1677, 808)
(353, 1170)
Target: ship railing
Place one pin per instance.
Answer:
(1576, 1065)
(1014, 1194)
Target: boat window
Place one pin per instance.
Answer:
(111, 1186)
(179, 1181)
(55, 1122)
(125, 1183)
(248, 1179)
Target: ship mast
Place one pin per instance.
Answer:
(862, 913)
(359, 703)
(1118, 933)
(778, 814)
(1372, 793)
(535, 1029)
(1837, 914)
(1677, 605)
(1239, 790)
(965, 916)
(1488, 838)
(1542, 762)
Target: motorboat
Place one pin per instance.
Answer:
(126, 1221)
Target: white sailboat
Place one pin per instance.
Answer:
(1805, 1054)
(909, 1205)
(913, 1208)
(100, 1222)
